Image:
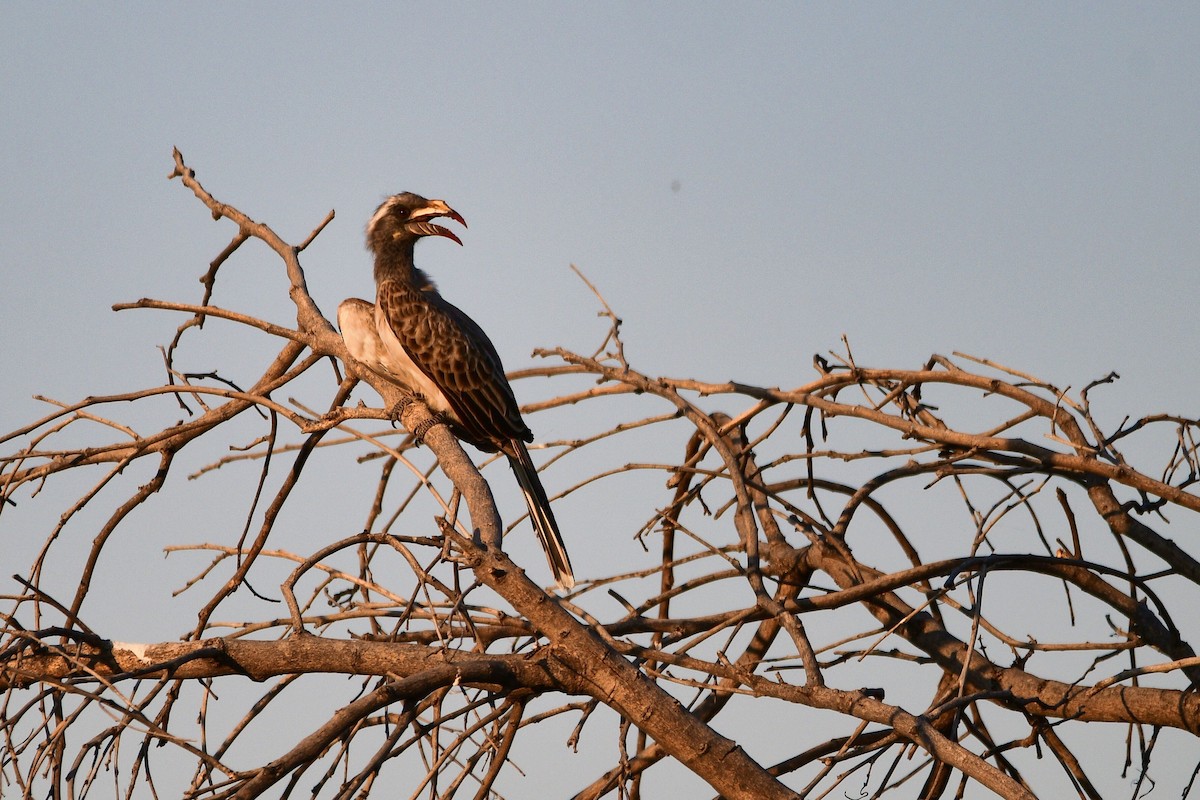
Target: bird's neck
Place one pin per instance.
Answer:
(395, 263)
(397, 266)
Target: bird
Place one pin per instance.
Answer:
(416, 339)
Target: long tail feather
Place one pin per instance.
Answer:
(541, 514)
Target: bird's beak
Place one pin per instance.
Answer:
(420, 225)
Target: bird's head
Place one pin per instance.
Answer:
(403, 218)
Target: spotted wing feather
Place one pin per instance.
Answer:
(457, 356)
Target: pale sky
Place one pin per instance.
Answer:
(745, 183)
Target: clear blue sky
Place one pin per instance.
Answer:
(1017, 181)
(744, 182)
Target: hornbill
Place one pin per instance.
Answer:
(416, 339)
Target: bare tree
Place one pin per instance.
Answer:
(804, 535)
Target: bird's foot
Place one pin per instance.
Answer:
(418, 432)
(422, 429)
(401, 404)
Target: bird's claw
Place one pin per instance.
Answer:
(398, 409)
(422, 429)
(418, 433)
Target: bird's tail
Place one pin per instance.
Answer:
(541, 514)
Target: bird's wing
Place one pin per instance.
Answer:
(457, 356)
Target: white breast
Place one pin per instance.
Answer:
(394, 362)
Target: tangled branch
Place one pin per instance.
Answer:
(905, 517)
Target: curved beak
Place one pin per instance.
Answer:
(420, 225)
